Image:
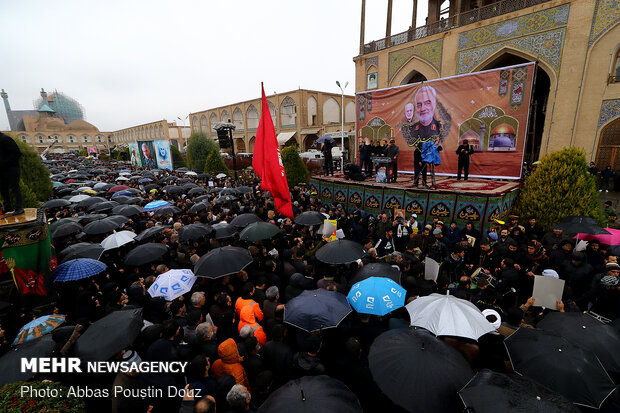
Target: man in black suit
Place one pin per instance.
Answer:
(464, 151)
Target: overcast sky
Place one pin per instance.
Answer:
(133, 62)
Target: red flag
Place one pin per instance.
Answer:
(267, 162)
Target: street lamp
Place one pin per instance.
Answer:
(183, 130)
(342, 123)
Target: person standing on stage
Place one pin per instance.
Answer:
(464, 151)
(392, 152)
(430, 157)
(9, 175)
(365, 151)
(328, 166)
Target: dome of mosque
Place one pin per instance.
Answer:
(65, 106)
(503, 128)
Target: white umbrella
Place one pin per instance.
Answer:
(172, 284)
(78, 198)
(446, 315)
(125, 173)
(122, 178)
(220, 176)
(191, 173)
(84, 188)
(117, 239)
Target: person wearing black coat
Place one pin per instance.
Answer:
(464, 151)
(9, 175)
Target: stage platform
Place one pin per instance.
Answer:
(476, 200)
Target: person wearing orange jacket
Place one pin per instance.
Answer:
(250, 313)
(230, 363)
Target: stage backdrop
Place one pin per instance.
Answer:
(489, 109)
(162, 151)
(147, 154)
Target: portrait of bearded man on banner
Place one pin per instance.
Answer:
(428, 127)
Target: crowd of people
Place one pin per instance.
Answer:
(231, 329)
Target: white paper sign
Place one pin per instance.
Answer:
(211, 183)
(339, 234)
(547, 290)
(431, 269)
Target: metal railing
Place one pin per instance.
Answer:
(472, 16)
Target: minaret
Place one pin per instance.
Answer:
(44, 95)
(5, 98)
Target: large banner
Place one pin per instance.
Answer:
(147, 154)
(134, 153)
(162, 152)
(487, 109)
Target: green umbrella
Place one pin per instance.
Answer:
(257, 231)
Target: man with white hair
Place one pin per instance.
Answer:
(426, 129)
(239, 399)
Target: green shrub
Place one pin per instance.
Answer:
(198, 148)
(12, 402)
(296, 171)
(177, 158)
(82, 152)
(35, 175)
(559, 187)
(215, 164)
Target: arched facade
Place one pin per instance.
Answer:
(252, 117)
(288, 111)
(238, 119)
(331, 111)
(225, 116)
(204, 126)
(312, 111)
(608, 152)
(272, 112)
(195, 127)
(414, 67)
(213, 119)
(349, 112)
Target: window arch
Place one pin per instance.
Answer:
(204, 126)
(349, 112)
(331, 111)
(213, 119)
(99, 138)
(40, 138)
(237, 119)
(24, 138)
(312, 105)
(288, 111)
(57, 138)
(225, 116)
(195, 124)
(272, 111)
(615, 68)
(161, 131)
(252, 117)
(85, 138)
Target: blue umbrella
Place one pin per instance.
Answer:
(377, 296)
(119, 193)
(78, 269)
(38, 327)
(172, 284)
(152, 206)
(145, 180)
(99, 185)
(315, 310)
(324, 138)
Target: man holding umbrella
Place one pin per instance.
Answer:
(9, 175)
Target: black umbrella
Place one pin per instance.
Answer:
(418, 371)
(66, 229)
(64, 190)
(132, 200)
(588, 332)
(166, 210)
(121, 199)
(85, 219)
(103, 206)
(215, 189)
(81, 250)
(202, 198)
(310, 218)
(223, 230)
(226, 198)
(244, 190)
(91, 201)
(109, 335)
(491, 392)
(133, 191)
(560, 365)
(151, 186)
(243, 220)
(55, 203)
(127, 210)
(193, 232)
(11, 361)
(580, 228)
(222, 261)
(203, 176)
(144, 254)
(119, 219)
(188, 186)
(315, 310)
(200, 206)
(312, 394)
(173, 189)
(229, 191)
(376, 269)
(149, 233)
(340, 251)
(61, 221)
(579, 219)
(198, 190)
(257, 231)
(102, 226)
